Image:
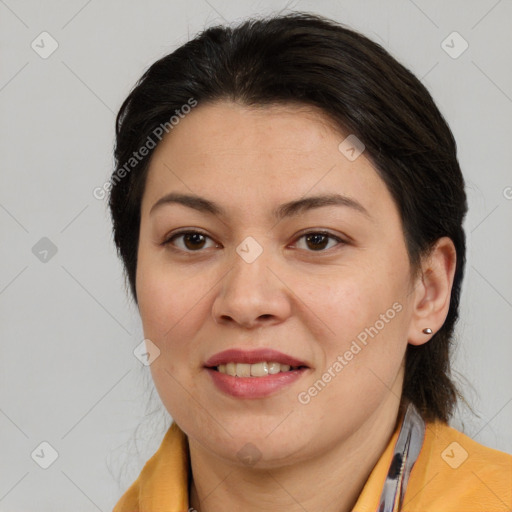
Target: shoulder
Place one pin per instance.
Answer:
(454, 473)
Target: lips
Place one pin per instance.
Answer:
(245, 385)
(253, 357)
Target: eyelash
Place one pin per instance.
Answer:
(168, 241)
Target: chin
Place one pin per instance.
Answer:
(262, 454)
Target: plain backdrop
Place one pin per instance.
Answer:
(68, 375)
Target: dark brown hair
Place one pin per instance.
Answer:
(305, 58)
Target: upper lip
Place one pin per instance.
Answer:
(235, 355)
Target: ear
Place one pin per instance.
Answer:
(432, 291)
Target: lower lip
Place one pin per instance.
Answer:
(254, 387)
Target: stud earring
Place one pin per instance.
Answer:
(428, 330)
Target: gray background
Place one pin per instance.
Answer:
(68, 375)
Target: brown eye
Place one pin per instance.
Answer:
(319, 240)
(194, 240)
(191, 241)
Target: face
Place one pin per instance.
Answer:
(324, 283)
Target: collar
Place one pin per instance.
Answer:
(452, 472)
(163, 484)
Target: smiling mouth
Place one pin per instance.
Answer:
(260, 369)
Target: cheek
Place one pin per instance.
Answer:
(173, 305)
(162, 302)
(162, 292)
(351, 300)
(365, 320)
(172, 312)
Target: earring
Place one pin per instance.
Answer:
(428, 330)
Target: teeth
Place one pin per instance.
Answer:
(274, 368)
(252, 370)
(259, 369)
(243, 370)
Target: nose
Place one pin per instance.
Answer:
(252, 294)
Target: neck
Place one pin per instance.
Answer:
(331, 482)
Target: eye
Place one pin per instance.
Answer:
(192, 241)
(318, 240)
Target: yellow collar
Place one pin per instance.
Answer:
(452, 472)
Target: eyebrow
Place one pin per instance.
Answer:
(288, 209)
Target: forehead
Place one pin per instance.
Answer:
(267, 154)
(216, 128)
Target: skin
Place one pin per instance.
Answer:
(202, 298)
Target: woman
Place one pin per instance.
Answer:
(288, 206)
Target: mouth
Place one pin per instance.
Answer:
(259, 369)
(253, 363)
(250, 374)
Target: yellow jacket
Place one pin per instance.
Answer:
(453, 473)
